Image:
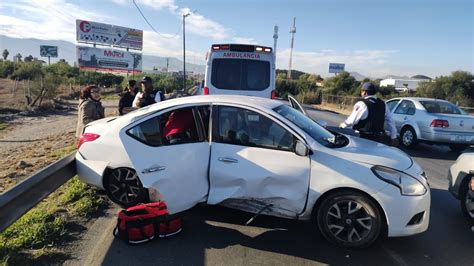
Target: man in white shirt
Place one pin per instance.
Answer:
(369, 116)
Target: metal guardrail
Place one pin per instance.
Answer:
(18, 200)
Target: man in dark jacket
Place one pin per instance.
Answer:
(148, 95)
(370, 115)
(126, 99)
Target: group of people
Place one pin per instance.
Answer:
(90, 106)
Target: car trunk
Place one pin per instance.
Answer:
(458, 123)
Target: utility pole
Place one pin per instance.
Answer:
(275, 38)
(184, 50)
(292, 31)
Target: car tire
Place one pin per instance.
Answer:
(123, 187)
(465, 199)
(349, 219)
(408, 137)
(458, 147)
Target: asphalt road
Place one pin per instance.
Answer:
(215, 235)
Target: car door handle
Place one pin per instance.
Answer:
(153, 169)
(227, 160)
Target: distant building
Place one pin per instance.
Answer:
(402, 84)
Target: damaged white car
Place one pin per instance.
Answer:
(256, 155)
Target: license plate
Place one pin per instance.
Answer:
(458, 138)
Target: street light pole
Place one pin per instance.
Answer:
(184, 50)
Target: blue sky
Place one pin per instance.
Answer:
(372, 37)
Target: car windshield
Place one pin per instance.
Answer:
(439, 107)
(317, 132)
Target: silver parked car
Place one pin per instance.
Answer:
(431, 121)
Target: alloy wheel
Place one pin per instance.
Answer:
(123, 186)
(407, 137)
(349, 221)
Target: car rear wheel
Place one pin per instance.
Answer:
(124, 187)
(408, 137)
(467, 202)
(458, 147)
(349, 219)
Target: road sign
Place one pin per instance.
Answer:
(100, 33)
(336, 68)
(110, 60)
(48, 51)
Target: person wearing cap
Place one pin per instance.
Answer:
(370, 115)
(148, 95)
(126, 98)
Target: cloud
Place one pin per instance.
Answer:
(48, 19)
(373, 62)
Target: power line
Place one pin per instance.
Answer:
(151, 26)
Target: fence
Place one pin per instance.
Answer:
(340, 101)
(18, 200)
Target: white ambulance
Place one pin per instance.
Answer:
(239, 69)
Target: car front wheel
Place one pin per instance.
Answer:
(467, 202)
(349, 219)
(124, 187)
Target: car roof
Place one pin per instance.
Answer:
(418, 99)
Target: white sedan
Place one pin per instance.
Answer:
(260, 156)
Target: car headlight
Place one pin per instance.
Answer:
(407, 184)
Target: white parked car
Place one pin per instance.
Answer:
(461, 183)
(431, 121)
(260, 156)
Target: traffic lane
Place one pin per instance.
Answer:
(215, 235)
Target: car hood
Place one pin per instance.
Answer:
(374, 153)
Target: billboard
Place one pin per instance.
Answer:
(109, 60)
(48, 51)
(100, 33)
(336, 68)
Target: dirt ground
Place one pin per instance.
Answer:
(31, 140)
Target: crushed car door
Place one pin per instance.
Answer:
(253, 158)
(170, 153)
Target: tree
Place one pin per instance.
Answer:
(457, 88)
(29, 58)
(6, 69)
(18, 57)
(27, 70)
(343, 83)
(5, 54)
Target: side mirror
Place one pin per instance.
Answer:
(301, 149)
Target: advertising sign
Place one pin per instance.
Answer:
(109, 60)
(48, 51)
(100, 33)
(336, 68)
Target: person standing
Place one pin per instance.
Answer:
(90, 108)
(126, 99)
(370, 115)
(148, 95)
